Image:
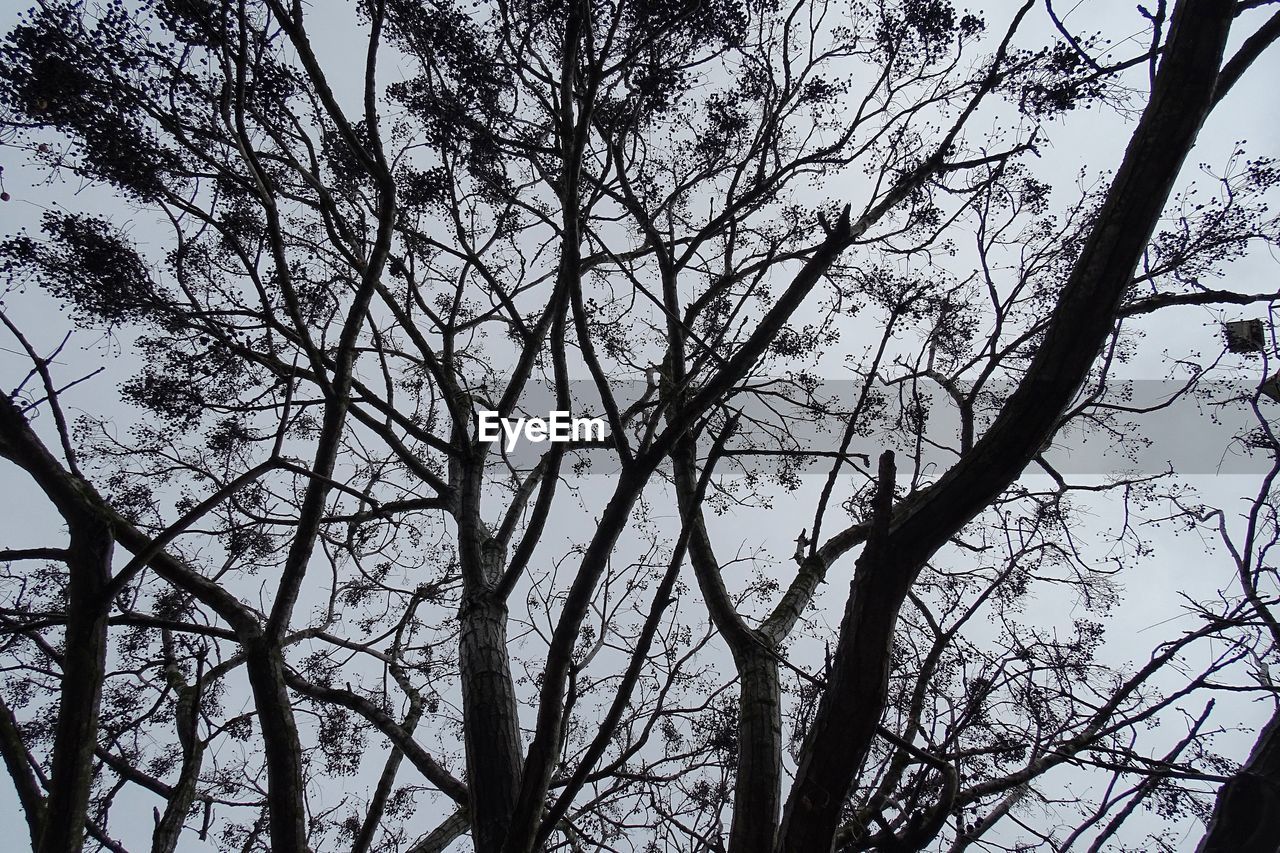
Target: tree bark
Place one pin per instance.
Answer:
(491, 721)
(17, 762)
(849, 711)
(443, 835)
(757, 796)
(386, 785)
(169, 828)
(83, 666)
(1246, 817)
(285, 801)
(94, 526)
(88, 560)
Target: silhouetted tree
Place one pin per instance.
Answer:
(289, 544)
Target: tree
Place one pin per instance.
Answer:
(664, 214)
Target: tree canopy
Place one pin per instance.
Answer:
(807, 265)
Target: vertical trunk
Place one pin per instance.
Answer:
(169, 829)
(167, 832)
(757, 799)
(1246, 817)
(490, 721)
(285, 801)
(845, 723)
(76, 733)
(757, 796)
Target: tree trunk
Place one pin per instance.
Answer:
(850, 709)
(25, 782)
(169, 828)
(490, 721)
(847, 716)
(285, 800)
(757, 797)
(83, 666)
(1246, 817)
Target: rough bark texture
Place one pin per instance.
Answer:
(1246, 817)
(491, 731)
(847, 716)
(757, 798)
(491, 724)
(265, 666)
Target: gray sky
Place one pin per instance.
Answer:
(1091, 139)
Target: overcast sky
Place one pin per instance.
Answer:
(1092, 140)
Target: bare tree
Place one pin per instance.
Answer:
(296, 539)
